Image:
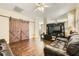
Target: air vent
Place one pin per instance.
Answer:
(18, 9)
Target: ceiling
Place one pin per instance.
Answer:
(53, 11)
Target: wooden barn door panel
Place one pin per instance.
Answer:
(14, 30)
(25, 30)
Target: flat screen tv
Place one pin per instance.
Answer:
(56, 29)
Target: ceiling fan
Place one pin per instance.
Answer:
(41, 6)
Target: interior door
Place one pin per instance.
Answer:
(24, 30)
(14, 30)
(18, 30)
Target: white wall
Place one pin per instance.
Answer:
(31, 30)
(4, 28)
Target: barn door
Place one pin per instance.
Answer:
(18, 30)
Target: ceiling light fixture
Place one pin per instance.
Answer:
(41, 6)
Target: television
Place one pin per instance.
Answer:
(56, 29)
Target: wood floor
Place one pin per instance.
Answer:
(24, 48)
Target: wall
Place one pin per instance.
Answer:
(4, 23)
(77, 19)
(71, 21)
(31, 29)
(4, 28)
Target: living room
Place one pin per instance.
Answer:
(22, 26)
